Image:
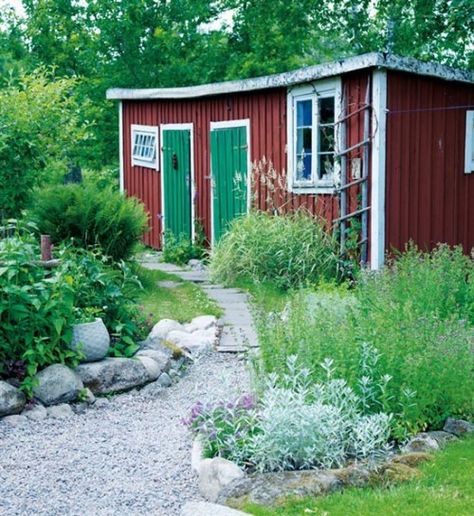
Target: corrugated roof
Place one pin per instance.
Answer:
(302, 75)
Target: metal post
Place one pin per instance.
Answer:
(365, 184)
(343, 196)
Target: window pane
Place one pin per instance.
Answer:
(326, 167)
(303, 167)
(303, 112)
(326, 139)
(303, 140)
(326, 110)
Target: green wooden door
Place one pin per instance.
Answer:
(176, 148)
(229, 164)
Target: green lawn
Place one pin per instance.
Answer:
(181, 303)
(446, 487)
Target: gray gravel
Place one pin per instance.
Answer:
(129, 456)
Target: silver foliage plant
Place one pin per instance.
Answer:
(296, 424)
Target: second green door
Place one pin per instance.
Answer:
(176, 149)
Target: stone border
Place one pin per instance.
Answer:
(222, 481)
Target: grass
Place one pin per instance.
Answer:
(445, 487)
(264, 295)
(180, 303)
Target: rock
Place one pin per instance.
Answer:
(151, 391)
(12, 400)
(101, 403)
(62, 411)
(354, 475)
(36, 413)
(209, 509)
(164, 327)
(458, 427)
(15, 420)
(393, 473)
(57, 384)
(202, 322)
(164, 380)
(193, 342)
(87, 396)
(161, 356)
(196, 265)
(271, 488)
(113, 375)
(421, 443)
(440, 436)
(197, 455)
(412, 459)
(214, 474)
(152, 368)
(80, 408)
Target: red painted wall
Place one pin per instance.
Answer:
(267, 111)
(429, 199)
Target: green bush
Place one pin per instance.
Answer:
(36, 311)
(415, 319)
(89, 216)
(180, 249)
(288, 250)
(40, 130)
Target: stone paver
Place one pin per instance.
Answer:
(238, 333)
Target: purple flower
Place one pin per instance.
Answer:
(247, 401)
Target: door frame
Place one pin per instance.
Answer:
(178, 127)
(229, 124)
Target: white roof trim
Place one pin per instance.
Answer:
(302, 75)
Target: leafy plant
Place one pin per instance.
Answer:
(289, 250)
(179, 249)
(88, 215)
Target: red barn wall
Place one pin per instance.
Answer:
(267, 111)
(429, 198)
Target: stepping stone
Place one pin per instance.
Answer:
(169, 284)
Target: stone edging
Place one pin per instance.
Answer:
(224, 482)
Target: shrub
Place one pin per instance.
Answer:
(40, 130)
(179, 249)
(417, 314)
(36, 311)
(293, 424)
(88, 216)
(288, 250)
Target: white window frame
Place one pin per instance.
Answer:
(147, 130)
(319, 89)
(469, 150)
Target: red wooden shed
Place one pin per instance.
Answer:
(385, 140)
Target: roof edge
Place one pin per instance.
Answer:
(301, 75)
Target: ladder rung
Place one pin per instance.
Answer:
(357, 111)
(353, 214)
(352, 147)
(348, 185)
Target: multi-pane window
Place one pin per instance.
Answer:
(144, 146)
(469, 152)
(312, 138)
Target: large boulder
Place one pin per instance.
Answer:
(421, 443)
(153, 369)
(163, 327)
(113, 375)
(209, 509)
(271, 488)
(194, 342)
(57, 384)
(458, 427)
(215, 474)
(161, 356)
(202, 322)
(12, 400)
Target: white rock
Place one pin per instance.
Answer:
(101, 403)
(164, 327)
(421, 443)
(197, 455)
(57, 384)
(164, 380)
(202, 322)
(12, 400)
(214, 474)
(209, 509)
(15, 420)
(60, 411)
(162, 358)
(192, 342)
(37, 413)
(207, 337)
(152, 368)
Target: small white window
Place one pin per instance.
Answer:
(144, 146)
(312, 146)
(469, 156)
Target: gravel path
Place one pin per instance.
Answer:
(129, 457)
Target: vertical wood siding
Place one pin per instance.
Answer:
(267, 111)
(429, 199)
